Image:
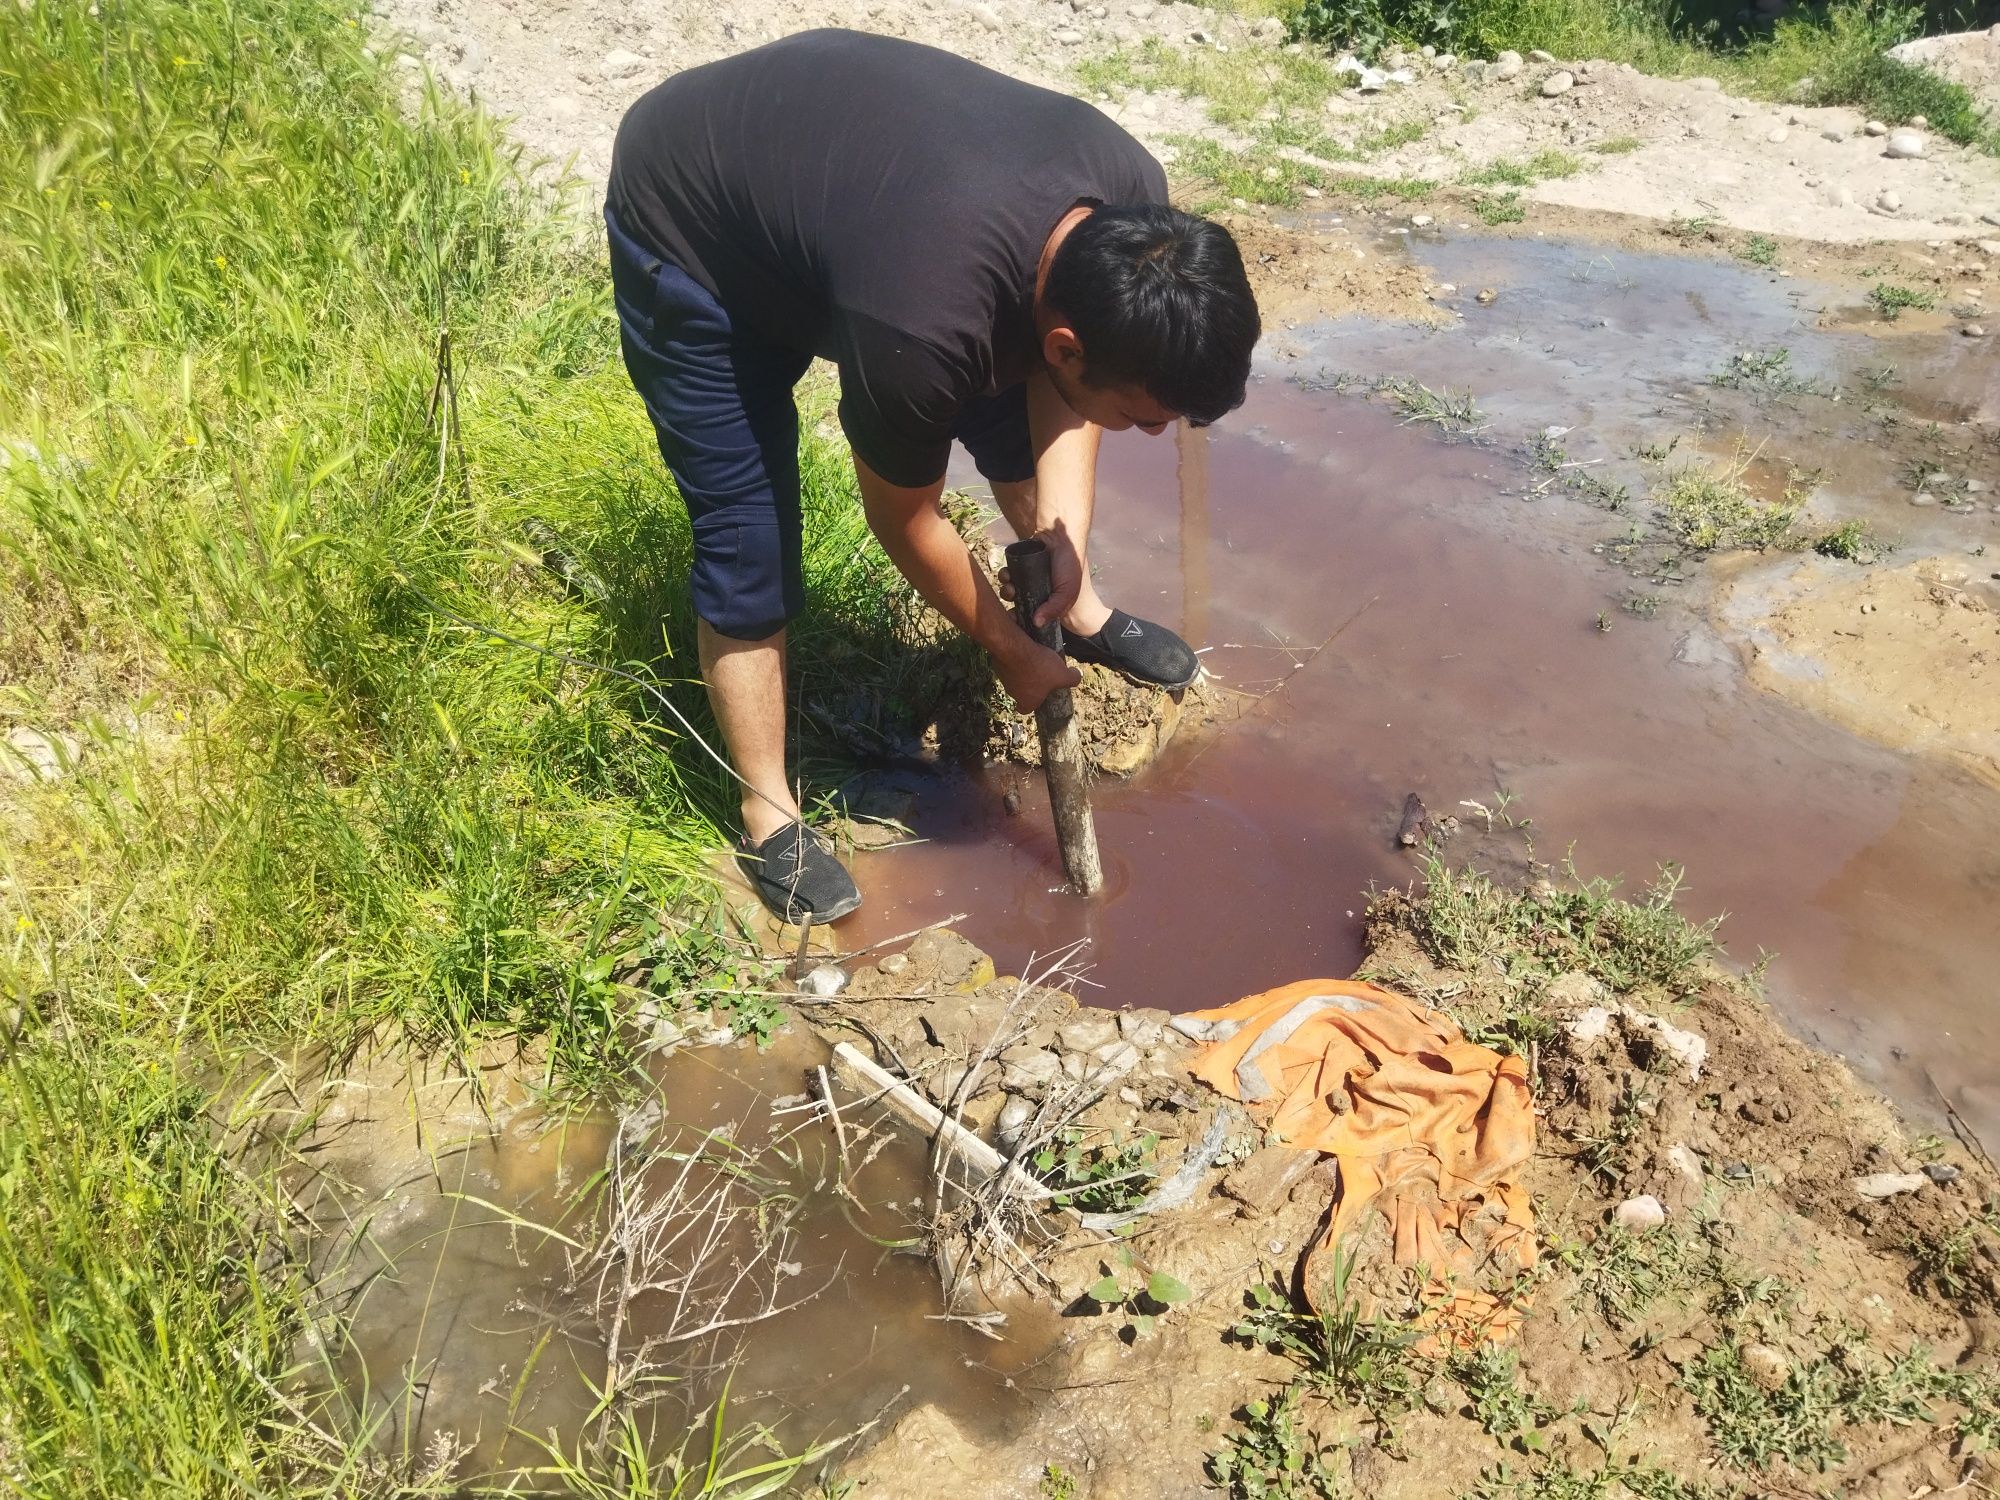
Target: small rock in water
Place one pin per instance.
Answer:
(1880, 1185)
(1487, 297)
(1942, 1173)
(826, 980)
(1537, 55)
(1905, 144)
(1641, 1213)
(1875, 127)
(1557, 83)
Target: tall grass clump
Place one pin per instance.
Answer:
(291, 360)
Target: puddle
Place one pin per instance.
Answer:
(1421, 621)
(449, 1234)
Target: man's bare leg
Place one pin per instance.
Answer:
(1017, 503)
(746, 689)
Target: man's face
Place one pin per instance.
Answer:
(1115, 408)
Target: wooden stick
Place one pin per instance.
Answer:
(1063, 763)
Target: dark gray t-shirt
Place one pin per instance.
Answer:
(878, 203)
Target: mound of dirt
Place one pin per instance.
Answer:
(1907, 656)
(1814, 1308)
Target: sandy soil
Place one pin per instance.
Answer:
(1909, 656)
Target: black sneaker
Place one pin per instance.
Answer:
(1149, 654)
(795, 874)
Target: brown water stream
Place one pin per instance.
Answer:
(1464, 660)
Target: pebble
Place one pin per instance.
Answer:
(895, 963)
(1765, 1365)
(1880, 1185)
(1311, 192)
(1889, 202)
(1833, 133)
(1943, 1173)
(827, 979)
(1905, 145)
(1087, 1033)
(620, 64)
(1068, 36)
(1976, 486)
(1875, 127)
(1508, 65)
(1974, 331)
(1537, 55)
(1923, 498)
(1736, 1171)
(1014, 1117)
(1557, 83)
(1116, 1057)
(1419, 220)
(1918, 122)
(985, 15)
(1640, 1214)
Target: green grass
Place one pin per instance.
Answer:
(1505, 173)
(238, 551)
(1708, 508)
(1618, 145)
(1890, 300)
(1500, 208)
(1759, 250)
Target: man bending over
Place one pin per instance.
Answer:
(983, 261)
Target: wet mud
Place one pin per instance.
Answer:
(1415, 614)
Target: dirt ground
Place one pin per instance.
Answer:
(1909, 656)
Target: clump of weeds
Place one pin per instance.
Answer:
(1850, 541)
(1759, 250)
(1274, 1455)
(1500, 208)
(1098, 1176)
(1767, 372)
(1709, 508)
(1891, 300)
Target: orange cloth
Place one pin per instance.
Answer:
(1427, 1127)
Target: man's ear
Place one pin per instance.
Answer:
(1063, 350)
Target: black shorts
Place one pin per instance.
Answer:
(721, 404)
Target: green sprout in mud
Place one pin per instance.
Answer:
(1850, 541)
(1945, 1260)
(1489, 1375)
(1889, 299)
(1338, 1349)
(1710, 509)
(1143, 1295)
(1057, 1483)
(1689, 229)
(1765, 371)
(1645, 606)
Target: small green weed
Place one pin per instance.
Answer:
(1505, 173)
(1765, 371)
(1098, 1176)
(1889, 299)
(1850, 541)
(1356, 1358)
(1500, 208)
(1618, 145)
(1490, 1376)
(1759, 250)
(1687, 229)
(1273, 1457)
(1710, 509)
(1143, 1296)
(1943, 1261)
(1057, 1483)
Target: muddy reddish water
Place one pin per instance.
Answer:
(1464, 660)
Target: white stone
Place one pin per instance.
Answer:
(895, 963)
(1974, 331)
(1014, 1117)
(1537, 55)
(1833, 133)
(985, 15)
(1905, 145)
(1777, 135)
(1116, 1057)
(1508, 66)
(1420, 220)
(1875, 127)
(1685, 1162)
(620, 64)
(1086, 1033)
(1557, 83)
(1068, 36)
(1889, 201)
(1034, 1072)
(1918, 122)
(1641, 1213)
(1888, 1184)
(826, 980)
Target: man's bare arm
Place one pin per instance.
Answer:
(928, 550)
(1065, 489)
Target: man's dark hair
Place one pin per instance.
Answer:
(1159, 300)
